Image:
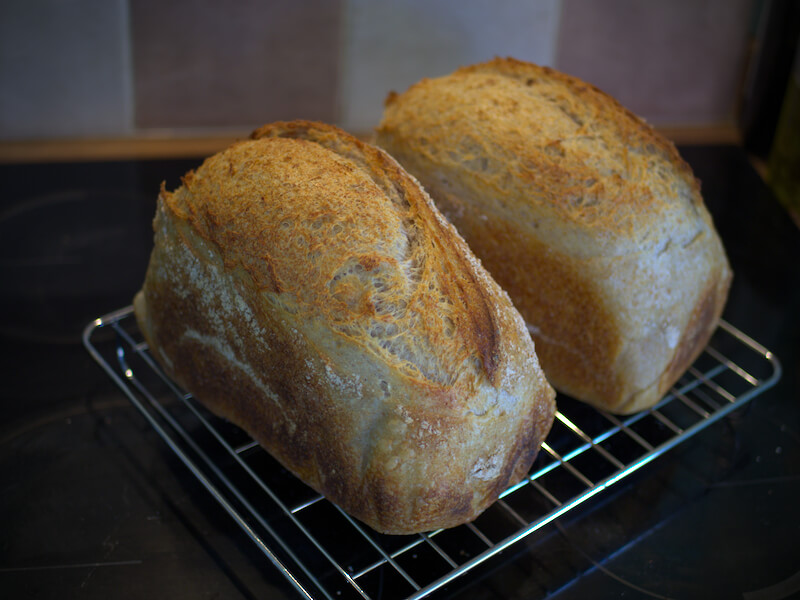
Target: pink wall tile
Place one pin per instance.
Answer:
(676, 62)
(231, 64)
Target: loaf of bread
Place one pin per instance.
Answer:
(587, 217)
(305, 287)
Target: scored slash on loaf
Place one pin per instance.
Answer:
(305, 287)
(587, 217)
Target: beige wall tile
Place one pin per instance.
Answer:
(64, 69)
(676, 62)
(233, 64)
(388, 45)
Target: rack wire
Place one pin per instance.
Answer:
(324, 553)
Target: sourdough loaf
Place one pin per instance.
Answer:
(588, 218)
(304, 286)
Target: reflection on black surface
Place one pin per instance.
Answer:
(64, 256)
(74, 242)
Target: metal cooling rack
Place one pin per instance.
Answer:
(324, 553)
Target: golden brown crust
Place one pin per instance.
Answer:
(588, 218)
(305, 287)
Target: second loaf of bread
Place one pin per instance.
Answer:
(305, 287)
(588, 218)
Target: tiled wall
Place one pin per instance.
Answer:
(675, 61)
(390, 45)
(64, 69)
(208, 63)
(106, 68)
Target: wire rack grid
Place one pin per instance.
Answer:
(324, 553)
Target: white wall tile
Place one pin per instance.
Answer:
(388, 45)
(64, 69)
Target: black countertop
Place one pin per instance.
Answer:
(93, 504)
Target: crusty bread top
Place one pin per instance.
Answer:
(586, 215)
(304, 286)
(573, 150)
(328, 245)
